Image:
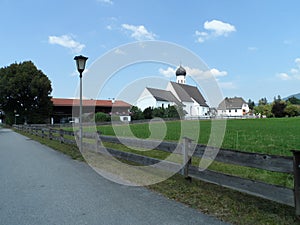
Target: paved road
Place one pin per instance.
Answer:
(41, 186)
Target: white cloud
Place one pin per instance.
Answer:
(218, 73)
(194, 72)
(139, 32)
(201, 75)
(205, 74)
(284, 76)
(219, 28)
(169, 72)
(215, 28)
(294, 73)
(67, 42)
(110, 2)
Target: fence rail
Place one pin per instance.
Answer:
(282, 164)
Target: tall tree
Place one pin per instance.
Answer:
(263, 101)
(25, 90)
(136, 113)
(278, 108)
(148, 113)
(251, 104)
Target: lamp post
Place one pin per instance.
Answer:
(80, 63)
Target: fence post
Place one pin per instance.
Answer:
(296, 163)
(43, 132)
(98, 141)
(50, 134)
(187, 159)
(61, 135)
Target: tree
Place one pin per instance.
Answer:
(263, 101)
(136, 113)
(159, 112)
(278, 107)
(148, 113)
(174, 112)
(292, 110)
(251, 104)
(265, 110)
(101, 117)
(25, 90)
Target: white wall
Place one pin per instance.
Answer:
(125, 118)
(195, 110)
(231, 112)
(146, 100)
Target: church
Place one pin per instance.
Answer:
(176, 93)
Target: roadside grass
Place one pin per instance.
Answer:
(227, 205)
(275, 178)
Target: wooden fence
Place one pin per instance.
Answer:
(282, 164)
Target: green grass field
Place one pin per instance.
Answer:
(275, 136)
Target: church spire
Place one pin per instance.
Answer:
(180, 75)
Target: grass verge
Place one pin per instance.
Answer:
(227, 205)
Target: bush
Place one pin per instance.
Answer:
(101, 117)
(292, 110)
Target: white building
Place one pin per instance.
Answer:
(233, 107)
(176, 93)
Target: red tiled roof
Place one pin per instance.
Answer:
(100, 103)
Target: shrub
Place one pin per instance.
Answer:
(101, 117)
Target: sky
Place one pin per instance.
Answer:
(251, 47)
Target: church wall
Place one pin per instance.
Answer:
(146, 100)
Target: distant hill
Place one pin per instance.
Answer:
(295, 95)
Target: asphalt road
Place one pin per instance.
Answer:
(41, 186)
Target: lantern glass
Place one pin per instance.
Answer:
(80, 62)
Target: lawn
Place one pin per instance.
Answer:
(275, 136)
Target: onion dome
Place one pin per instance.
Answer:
(180, 71)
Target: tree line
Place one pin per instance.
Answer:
(277, 108)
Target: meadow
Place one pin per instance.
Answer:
(276, 136)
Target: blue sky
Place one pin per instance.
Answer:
(253, 47)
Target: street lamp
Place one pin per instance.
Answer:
(80, 63)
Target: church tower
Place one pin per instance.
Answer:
(180, 75)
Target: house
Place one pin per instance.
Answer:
(176, 93)
(233, 107)
(64, 109)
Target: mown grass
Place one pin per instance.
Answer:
(275, 136)
(227, 205)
